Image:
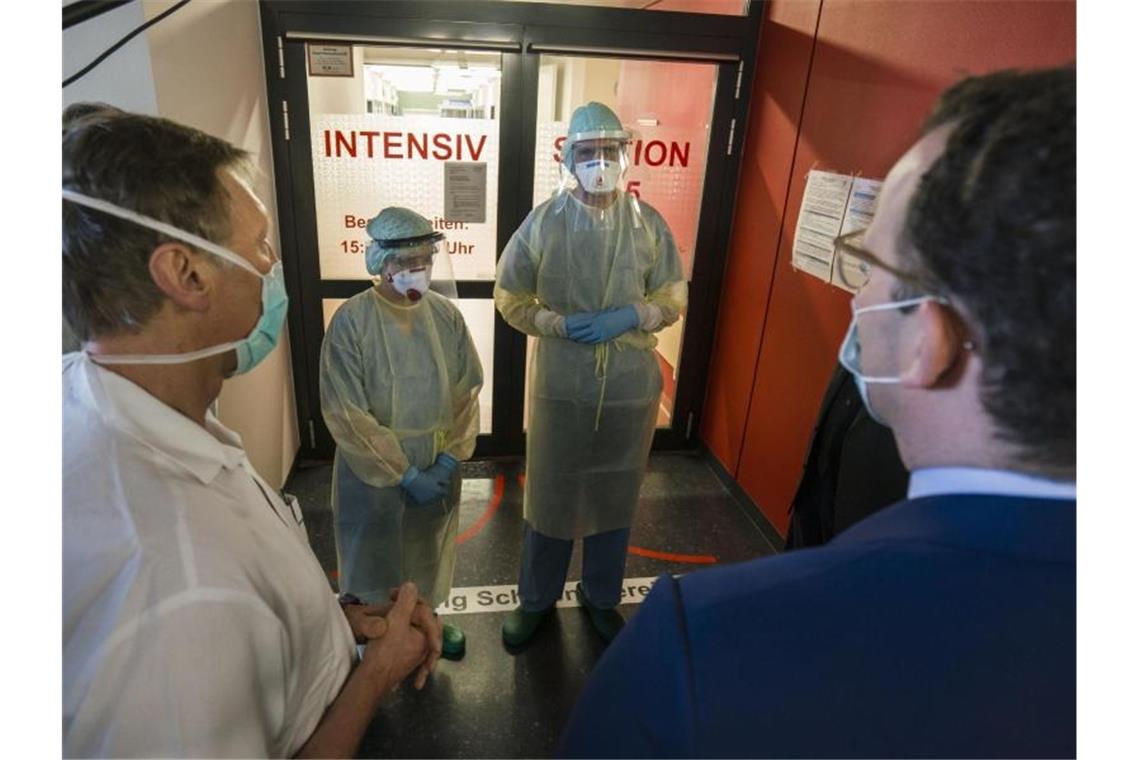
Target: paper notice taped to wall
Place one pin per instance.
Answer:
(821, 218)
(833, 205)
(860, 209)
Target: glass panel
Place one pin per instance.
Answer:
(404, 127)
(479, 313)
(669, 150)
(668, 153)
(721, 7)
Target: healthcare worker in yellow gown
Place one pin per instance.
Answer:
(400, 381)
(593, 273)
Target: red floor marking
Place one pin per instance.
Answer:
(488, 513)
(691, 559)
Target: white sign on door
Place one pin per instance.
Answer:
(363, 163)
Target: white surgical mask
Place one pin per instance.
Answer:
(850, 350)
(599, 175)
(251, 349)
(413, 283)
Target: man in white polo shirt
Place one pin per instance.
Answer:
(197, 621)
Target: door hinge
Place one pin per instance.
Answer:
(285, 117)
(281, 61)
(689, 427)
(739, 76)
(312, 435)
(731, 135)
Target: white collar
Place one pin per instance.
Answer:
(937, 481)
(125, 406)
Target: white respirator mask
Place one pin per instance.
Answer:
(598, 175)
(412, 283)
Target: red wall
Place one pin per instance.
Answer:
(841, 85)
(687, 113)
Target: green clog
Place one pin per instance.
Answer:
(608, 623)
(454, 642)
(520, 625)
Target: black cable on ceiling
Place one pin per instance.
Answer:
(106, 53)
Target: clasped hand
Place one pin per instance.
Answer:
(402, 636)
(430, 484)
(601, 326)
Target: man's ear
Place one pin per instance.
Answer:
(937, 344)
(179, 275)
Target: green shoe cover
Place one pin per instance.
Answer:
(520, 625)
(608, 623)
(454, 642)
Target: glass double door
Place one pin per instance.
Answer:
(470, 137)
(417, 128)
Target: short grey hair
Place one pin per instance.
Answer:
(146, 164)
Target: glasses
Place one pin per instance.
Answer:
(855, 272)
(416, 257)
(584, 152)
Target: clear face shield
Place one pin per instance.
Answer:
(414, 268)
(599, 165)
(591, 192)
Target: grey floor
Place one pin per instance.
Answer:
(500, 703)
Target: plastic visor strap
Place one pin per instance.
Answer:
(633, 204)
(179, 234)
(886, 307)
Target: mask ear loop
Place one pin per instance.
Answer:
(179, 234)
(163, 227)
(967, 343)
(889, 306)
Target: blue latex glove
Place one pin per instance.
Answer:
(442, 470)
(601, 326)
(422, 488)
(575, 323)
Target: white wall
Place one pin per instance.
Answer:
(123, 79)
(202, 66)
(209, 73)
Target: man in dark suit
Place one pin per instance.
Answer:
(852, 468)
(944, 625)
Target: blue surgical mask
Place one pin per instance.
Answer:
(850, 350)
(251, 349)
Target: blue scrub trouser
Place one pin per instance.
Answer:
(545, 561)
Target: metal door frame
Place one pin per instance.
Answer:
(521, 32)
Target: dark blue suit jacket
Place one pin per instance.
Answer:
(940, 627)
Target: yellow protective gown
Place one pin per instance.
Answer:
(399, 385)
(593, 409)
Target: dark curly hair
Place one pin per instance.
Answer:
(993, 224)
